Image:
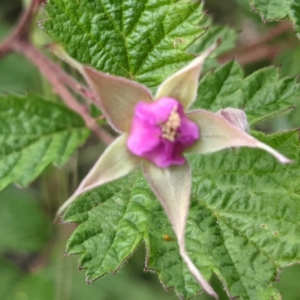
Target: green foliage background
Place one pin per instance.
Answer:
(31, 248)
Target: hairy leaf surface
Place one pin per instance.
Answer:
(214, 33)
(261, 94)
(243, 223)
(278, 9)
(33, 134)
(142, 40)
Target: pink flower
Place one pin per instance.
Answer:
(155, 134)
(160, 132)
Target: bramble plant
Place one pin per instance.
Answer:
(187, 169)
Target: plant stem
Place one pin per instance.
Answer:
(259, 50)
(21, 29)
(73, 84)
(18, 41)
(47, 68)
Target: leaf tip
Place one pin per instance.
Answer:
(58, 217)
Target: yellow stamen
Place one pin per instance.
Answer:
(169, 128)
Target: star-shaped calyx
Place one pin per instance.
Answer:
(156, 132)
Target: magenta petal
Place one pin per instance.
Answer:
(189, 132)
(143, 137)
(155, 112)
(165, 155)
(160, 132)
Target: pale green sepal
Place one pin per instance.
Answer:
(116, 161)
(217, 133)
(117, 97)
(61, 53)
(195, 272)
(172, 187)
(183, 85)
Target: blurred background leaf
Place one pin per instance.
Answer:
(277, 10)
(31, 262)
(17, 74)
(9, 276)
(23, 226)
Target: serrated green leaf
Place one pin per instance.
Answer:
(278, 9)
(260, 95)
(35, 133)
(125, 213)
(214, 33)
(226, 35)
(143, 40)
(243, 223)
(289, 60)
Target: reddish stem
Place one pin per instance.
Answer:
(22, 28)
(46, 67)
(18, 41)
(259, 50)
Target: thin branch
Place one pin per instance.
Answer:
(273, 33)
(21, 29)
(260, 53)
(69, 80)
(258, 47)
(73, 84)
(46, 67)
(18, 41)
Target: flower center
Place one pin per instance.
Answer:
(160, 132)
(169, 128)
